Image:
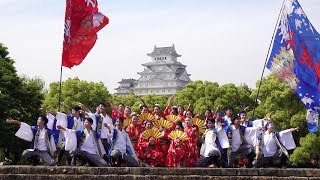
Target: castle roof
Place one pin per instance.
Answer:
(158, 51)
(127, 81)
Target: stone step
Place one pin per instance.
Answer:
(118, 173)
(141, 177)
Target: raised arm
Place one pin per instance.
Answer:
(217, 110)
(142, 100)
(12, 121)
(170, 101)
(246, 109)
(189, 106)
(61, 128)
(84, 110)
(113, 107)
(289, 130)
(54, 113)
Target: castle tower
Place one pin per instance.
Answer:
(164, 75)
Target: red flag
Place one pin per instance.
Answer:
(82, 22)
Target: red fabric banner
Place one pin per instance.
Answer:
(82, 22)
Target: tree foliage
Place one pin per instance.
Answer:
(20, 98)
(75, 91)
(310, 148)
(275, 96)
(209, 95)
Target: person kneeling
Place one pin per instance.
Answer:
(273, 146)
(41, 138)
(210, 153)
(241, 151)
(121, 149)
(85, 144)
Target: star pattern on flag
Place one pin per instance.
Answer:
(297, 38)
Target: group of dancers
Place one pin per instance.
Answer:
(155, 138)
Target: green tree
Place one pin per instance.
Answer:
(20, 98)
(134, 101)
(210, 95)
(276, 96)
(75, 91)
(309, 148)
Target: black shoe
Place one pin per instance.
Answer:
(35, 161)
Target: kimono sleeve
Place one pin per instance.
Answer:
(62, 119)
(52, 145)
(71, 140)
(25, 132)
(250, 134)
(223, 138)
(130, 148)
(202, 149)
(257, 123)
(286, 139)
(51, 119)
(102, 149)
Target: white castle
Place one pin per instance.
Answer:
(164, 75)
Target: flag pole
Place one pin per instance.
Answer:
(60, 89)
(265, 63)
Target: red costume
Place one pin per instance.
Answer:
(165, 142)
(182, 117)
(150, 153)
(116, 115)
(134, 132)
(166, 111)
(158, 117)
(177, 154)
(193, 154)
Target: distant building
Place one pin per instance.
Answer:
(126, 86)
(164, 75)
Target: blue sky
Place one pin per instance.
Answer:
(221, 41)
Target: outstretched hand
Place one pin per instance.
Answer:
(60, 127)
(260, 128)
(11, 121)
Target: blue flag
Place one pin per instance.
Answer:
(295, 58)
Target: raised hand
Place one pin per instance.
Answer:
(11, 121)
(246, 109)
(51, 112)
(170, 100)
(107, 126)
(61, 128)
